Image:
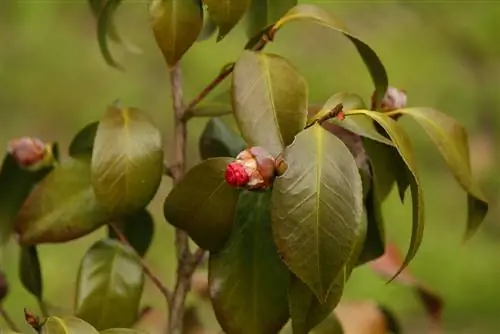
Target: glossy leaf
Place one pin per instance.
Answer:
(67, 325)
(127, 160)
(331, 325)
(388, 265)
(401, 141)
(210, 110)
(248, 281)
(218, 140)
(83, 143)
(61, 208)
(451, 140)
(138, 228)
(314, 14)
(30, 272)
(209, 27)
(317, 208)
(15, 185)
(226, 14)
(269, 100)
(122, 331)
(263, 13)
(104, 24)
(176, 26)
(109, 286)
(203, 204)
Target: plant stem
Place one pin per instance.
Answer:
(8, 320)
(156, 281)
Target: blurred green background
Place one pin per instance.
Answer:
(53, 81)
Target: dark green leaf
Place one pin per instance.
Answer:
(331, 325)
(451, 140)
(110, 284)
(61, 208)
(176, 26)
(30, 272)
(15, 186)
(226, 14)
(317, 208)
(218, 140)
(263, 13)
(374, 245)
(401, 141)
(122, 331)
(203, 204)
(138, 228)
(83, 143)
(127, 160)
(248, 281)
(269, 99)
(67, 325)
(104, 26)
(210, 110)
(314, 14)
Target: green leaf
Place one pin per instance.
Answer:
(176, 26)
(127, 160)
(210, 110)
(269, 99)
(314, 14)
(248, 281)
(30, 272)
(110, 284)
(401, 141)
(209, 27)
(122, 331)
(104, 26)
(138, 228)
(374, 245)
(331, 325)
(218, 140)
(67, 325)
(226, 14)
(317, 208)
(83, 143)
(359, 124)
(61, 208)
(15, 185)
(262, 13)
(203, 204)
(451, 140)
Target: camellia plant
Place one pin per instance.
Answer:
(283, 207)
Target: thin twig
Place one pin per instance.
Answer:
(335, 112)
(156, 281)
(8, 320)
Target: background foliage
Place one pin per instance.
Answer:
(54, 81)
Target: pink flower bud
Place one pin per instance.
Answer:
(28, 151)
(236, 175)
(254, 169)
(393, 99)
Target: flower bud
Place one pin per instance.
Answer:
(393, 99)
(254, 169)
(30, 153)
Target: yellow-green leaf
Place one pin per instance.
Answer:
(226, 14)
(263, 13)
(122, 331)
(110, 284)
(451, 140)
(269, 100)
(248, 281)
(67, 325)
(317, 208)
(402, 143)
(61, 208)
(314, 14)
(127, 160)
(203, 204)
(176, 26)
